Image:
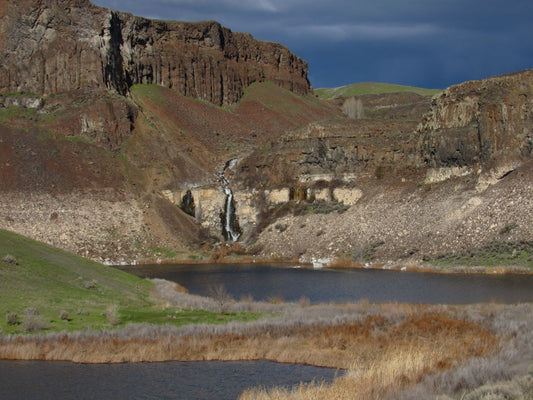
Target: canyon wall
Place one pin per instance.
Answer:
(480, 122)
(54, 46)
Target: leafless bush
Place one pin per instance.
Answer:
(31, 311)
(221, 296)
(112, 314)
(64, 315)
(33, 323)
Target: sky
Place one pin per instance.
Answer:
(424, 43)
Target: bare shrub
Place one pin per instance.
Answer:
(12, 318)
(9, 259)
(112, 314)
(64, 315)
(89, 285)
(33, 323)
(31, 311)
(221, 296)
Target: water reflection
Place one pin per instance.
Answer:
(264, 281)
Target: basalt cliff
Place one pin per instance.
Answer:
(57, 46)
(121, 139)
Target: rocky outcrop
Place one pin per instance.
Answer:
(480, 122)
(54, 46)
(342, 151)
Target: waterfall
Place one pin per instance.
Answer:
(230, 226)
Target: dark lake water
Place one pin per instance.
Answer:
(264, 281)
(173, 380)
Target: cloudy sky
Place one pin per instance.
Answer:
(426, 43)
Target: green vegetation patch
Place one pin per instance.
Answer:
(184, 317)
(362, 88)
(43, 288)
(495, 254)
(326, 207)
(58, 284)
(151, 92)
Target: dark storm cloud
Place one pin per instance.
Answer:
(426, 43)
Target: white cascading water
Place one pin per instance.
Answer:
(230, 208)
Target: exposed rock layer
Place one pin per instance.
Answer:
(54, 46)
(480, 121)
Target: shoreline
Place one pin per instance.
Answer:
(342, 265)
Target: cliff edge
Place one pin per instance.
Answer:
(55, 46)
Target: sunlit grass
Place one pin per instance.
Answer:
(362, 88)
(57, 284)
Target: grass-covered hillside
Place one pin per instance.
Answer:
(362, 88)
(43, 288)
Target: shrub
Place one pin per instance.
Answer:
(12, 319)
(326, 207)
(33, 323)
(64, 316)
(31, 311)
(112, 314)
(9, 259)
(281, 227)
(221, 296)
(90, 285)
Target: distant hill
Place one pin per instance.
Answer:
(362, 88)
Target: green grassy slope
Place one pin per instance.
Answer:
(36, 276)
(50, 281)
(359, 89)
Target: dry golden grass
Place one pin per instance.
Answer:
(386, 362)
(376, 349)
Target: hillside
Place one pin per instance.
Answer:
(122, 162)
(54, 281)
(43, 288)
(92, 174)
(363, 88)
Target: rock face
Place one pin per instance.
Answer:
(54, 46)
(343, 150)
(479, 122)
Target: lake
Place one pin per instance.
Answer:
(267, 281)
(45, 380)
